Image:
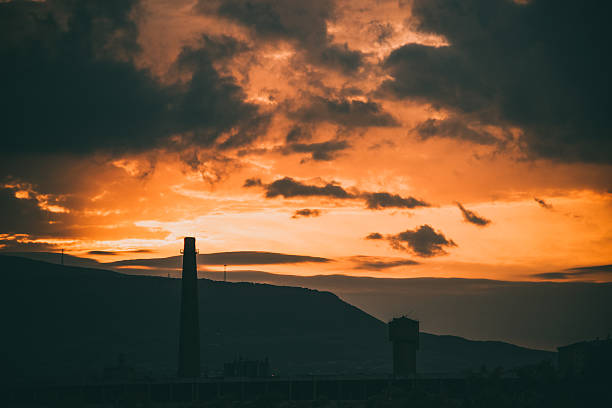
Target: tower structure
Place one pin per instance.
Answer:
(404, 334)
(189, 336)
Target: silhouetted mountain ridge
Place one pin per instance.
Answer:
(66, 321)
(534, 314)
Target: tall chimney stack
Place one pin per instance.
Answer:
(189, 338)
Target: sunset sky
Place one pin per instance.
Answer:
(395, 138)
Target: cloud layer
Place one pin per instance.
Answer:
(373, 263)
(70, 85)
(537, 66)
(291, 20)
(543, 203)
(377, 201)
(306, 212)
(423, 241)
(472, 217)
(288, 187)
(580, 273)
(225, 258)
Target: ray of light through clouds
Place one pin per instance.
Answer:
(182, 101)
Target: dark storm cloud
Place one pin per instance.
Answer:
(348, 114)
(382, 31)
(302, 22)
(543, 203)
(472, 217)
(209, 104)
(344, 112)
(576, 273)
(12, 246)
(298, 134)
(25, 216)
(59, 92)
(69, 84)
(306, 212)
(541, 67)
(377, 201)
(323, 151)
(252, 182)
(374, 235)
(423, 241)
(381, 144)
(219, 48)
(340, 56)
(372, 263)
(454, 128)
(288, 187)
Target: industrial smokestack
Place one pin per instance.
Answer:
(189, 337)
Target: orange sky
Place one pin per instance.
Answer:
(151, 199)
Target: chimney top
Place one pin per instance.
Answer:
(189, 244)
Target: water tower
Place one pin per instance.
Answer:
(404, 333)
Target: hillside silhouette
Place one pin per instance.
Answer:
(532, 313)
(70, 322)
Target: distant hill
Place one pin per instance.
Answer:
(55, 258)
(534, 314)
(62, 321)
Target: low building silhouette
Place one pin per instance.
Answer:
(404, 334)
(119, 372)
(247, 368)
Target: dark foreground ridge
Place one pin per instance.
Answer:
(535, 386)
(71, 324)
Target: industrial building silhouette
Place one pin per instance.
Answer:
(247, 368)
